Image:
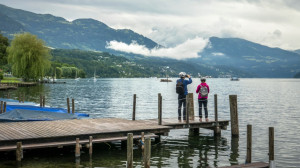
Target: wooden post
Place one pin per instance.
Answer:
(73, 106)
(249, 144)
(41, 101)
(4, 109)
(234, 115)
(1, 107)
(23, 97)
(271, 144)
(143, 142)
(134, 106)
(68, 105)
(159, 109)
(90, 145)
(44, 101)
(217, 129)
(187, 110)
(77, 148)
(216, 108)
(19, 152)
(191, 106)
(129, 150)
(147, 155)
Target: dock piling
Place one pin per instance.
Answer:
(234, 115)
(271, 144)
(73, 106)
(41, 101)
(68, 104)
(147, 155)
(217, 129)
(4, 108)
(129, 150)
(249, 144)
(159, 109)
(90, 145)
(187, 117)
(134, 107)
(19, 152)
(77, 148)
(191, 106)
(1, 107)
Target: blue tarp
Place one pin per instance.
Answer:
(34, 115)
(38, 108)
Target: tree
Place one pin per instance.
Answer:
(3, 54)
(29, 57)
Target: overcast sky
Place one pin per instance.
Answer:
(178, 23)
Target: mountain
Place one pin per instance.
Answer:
(108, 65)
(84, 34)
(256, 59)
(297, 51)
(222, 57)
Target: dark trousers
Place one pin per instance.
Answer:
(182, 101)
(204, 103)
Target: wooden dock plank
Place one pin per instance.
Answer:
(47, 129)
(65, 130)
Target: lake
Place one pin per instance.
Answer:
(263, 103)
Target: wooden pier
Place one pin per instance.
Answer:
(43, 134)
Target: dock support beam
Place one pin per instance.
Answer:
(190, 101)
(134, 107)
(147, 155)
(19, 152)
(159, 109)
(129, 150)
(1, 107)
(271, 144)
(90, 145)
(249, 144)
(217, 129)
(234, 116)
(73, 106)
(68, 104)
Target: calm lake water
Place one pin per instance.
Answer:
(263, 103)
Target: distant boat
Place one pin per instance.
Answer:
(165, 80)
(94, 78)
(234, 79)
(76, 78)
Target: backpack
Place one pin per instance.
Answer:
(203, 91)
(180, 87)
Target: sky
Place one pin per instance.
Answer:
(183, 26)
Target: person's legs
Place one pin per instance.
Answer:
(200, 108)
(180, 101)
(205, 109)
(184, 106)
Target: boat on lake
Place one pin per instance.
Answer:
(165, 80)
(234, 79)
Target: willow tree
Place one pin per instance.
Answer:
(29, 57)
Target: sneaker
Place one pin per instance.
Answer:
(206, 119)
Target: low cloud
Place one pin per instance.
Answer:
(188, 49)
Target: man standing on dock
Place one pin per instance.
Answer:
(182, 91)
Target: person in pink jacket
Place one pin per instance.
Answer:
(203, 91)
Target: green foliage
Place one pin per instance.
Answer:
(1, 74)
(3, 53)
(29, 57)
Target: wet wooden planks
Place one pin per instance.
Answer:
(250, 165)
(63, 128)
